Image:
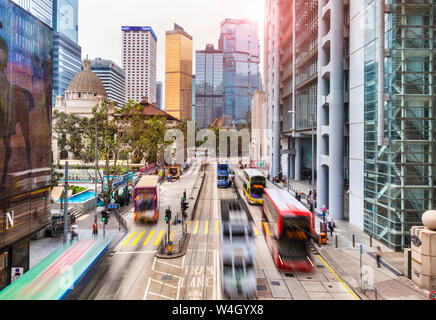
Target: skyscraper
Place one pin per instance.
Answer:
(113, 79)
(239, 42)
(67, 57)
(159, 94)
(139, 62)
(42, 9)
(208, 86)
(178, 73)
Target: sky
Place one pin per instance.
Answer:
(100, 23)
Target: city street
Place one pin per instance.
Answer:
(132, 271)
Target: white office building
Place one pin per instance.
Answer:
(139, 63)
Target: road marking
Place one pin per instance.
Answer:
(196, 227)
(217, 227)
(165, 284)
(328, 267)
(265, 225)
(146, 290)
(160, 295)
(148, 239)
(168, 264)
(135, 252)
(206, 227)
(128, 239)
(138, 238)
(159, 237)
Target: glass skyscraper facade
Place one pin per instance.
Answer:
(239, 42)
(113, 78)
(400, 177)
(208, 86)
(42, 9)
(67, 60)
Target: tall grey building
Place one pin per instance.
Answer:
(239, 41)
(112, 77)
(375, 159)
(208, 86)
(159, 94)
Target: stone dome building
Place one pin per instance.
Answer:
(84, 92)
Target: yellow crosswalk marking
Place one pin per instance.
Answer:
(255, 230)
(138, 238)
(265, 225)
(148, 239)
(159, 237)
(206, 227)
(197, 223)
(128, 239)
(217, 227)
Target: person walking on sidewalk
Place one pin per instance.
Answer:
(378, 255)
(74, 234)
(95, 229)
(331, 225)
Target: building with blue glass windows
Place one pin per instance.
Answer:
(41, 9)
(67, 58)
(113, 78)
(209, 80)
(239, 42)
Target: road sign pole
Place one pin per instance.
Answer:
(66, 205)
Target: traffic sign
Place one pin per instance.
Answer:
(113, 206)
(432, 295)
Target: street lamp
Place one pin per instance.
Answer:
(293, 112)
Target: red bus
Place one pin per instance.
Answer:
(288, 229)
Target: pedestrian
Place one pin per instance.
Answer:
(269, 177)
(331, 225)
(74, 234)
(310, 193)
(95, 229)
(378, 255)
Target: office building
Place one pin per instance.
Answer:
(239, 42)
(139, 62)
(41, 9)
(159, 94)
(193, 97)
(259, 149)
(178, 73)
(376, 154)
(25, 174)
(209, 81)
(113, 79)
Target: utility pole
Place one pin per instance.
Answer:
(66, 205)
(313, 167)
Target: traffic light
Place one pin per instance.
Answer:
(168, 216)
(104, 217)
(184, 196)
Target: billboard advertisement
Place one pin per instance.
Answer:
(25, 122)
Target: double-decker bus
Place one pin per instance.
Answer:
(223, 175)
(288, 229)
(146, 199)
(254, 184)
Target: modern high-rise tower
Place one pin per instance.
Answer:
(113, 79)
(42, 9)
(139, 62)
(178, 73)
(239, 42)
(208, 86)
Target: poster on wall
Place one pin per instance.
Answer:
(25, 101)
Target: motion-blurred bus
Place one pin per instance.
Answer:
(238, 252)
(146, 199)
(288, 229)
(254, 184)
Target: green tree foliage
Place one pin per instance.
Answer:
(68, 130)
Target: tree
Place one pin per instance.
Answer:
(68, 130)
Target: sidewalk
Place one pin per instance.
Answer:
(389, 280)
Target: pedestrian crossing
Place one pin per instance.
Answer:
(147, 238)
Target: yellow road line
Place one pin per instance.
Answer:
(217, 227)
(159, 237)
(346, 287)
(128, 239)
(148, 239)
(138, 238)
(206, 227)
(196, 227)
(268, 233)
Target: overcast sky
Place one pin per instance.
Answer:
(100, 23)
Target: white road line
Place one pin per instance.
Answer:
(135, 252)
(178, 288)
(164, 284)
(169, 264)
(159, 295)
(146, 290)
(183, 261)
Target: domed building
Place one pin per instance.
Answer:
(84, 92)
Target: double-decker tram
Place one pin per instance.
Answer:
(254, 185)
(288, 229)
